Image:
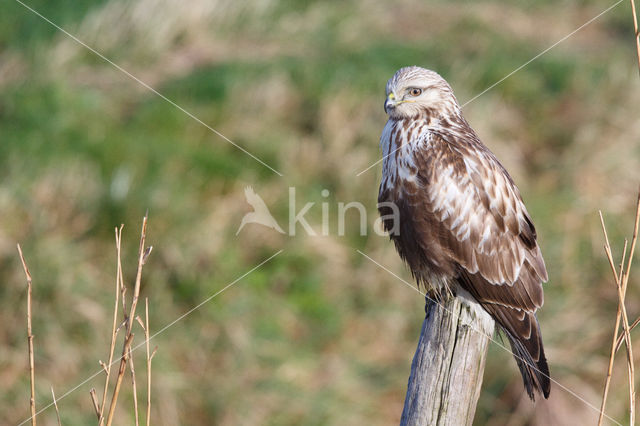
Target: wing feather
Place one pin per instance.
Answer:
(480, 222)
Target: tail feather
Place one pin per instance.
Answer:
(521, 327)
(535, 374)
(523, 331)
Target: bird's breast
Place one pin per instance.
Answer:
(399, 142)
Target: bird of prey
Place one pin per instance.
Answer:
(462, 221)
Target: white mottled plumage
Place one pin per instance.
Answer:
(463, 224)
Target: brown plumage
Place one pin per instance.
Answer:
(462, 222)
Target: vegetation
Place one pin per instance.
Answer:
(319, 334)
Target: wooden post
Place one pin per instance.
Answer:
(447, 369)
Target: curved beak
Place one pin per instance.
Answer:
(390, 103)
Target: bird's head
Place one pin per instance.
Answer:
(413, 91)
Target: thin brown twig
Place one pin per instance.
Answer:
(612, 355)
(32, 373)
(607, 249)
(130, 318)
(625, 325)
(624, 252)
(149, 358)
(622, 280)
(121, 370)
(141, 261)
(634, 240)
(115, 328)
(133, 383)
(94, 401)
(625, 280)
(621, 296)
(123, 297)
(631, 327)
(55, 404)
(617, 341)
(635, 28)
(627, 340)
(607, 246)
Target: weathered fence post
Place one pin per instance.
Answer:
(447, 369)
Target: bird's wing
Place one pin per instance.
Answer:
(477, 216)
(467, 208)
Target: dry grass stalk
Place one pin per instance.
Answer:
(116, 391)
(32, 374)
(55, 404)
(625, 320)
(635, 28)
(145, 327)
(126, 349)
(126, 356)
(133, 384)
(634, 325)
(94, 401)
(621, 282)
(115, 328)
(621, 279)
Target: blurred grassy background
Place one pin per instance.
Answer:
(319, 335)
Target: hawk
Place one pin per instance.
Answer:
(462, 221)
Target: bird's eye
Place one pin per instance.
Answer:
(415, 91)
